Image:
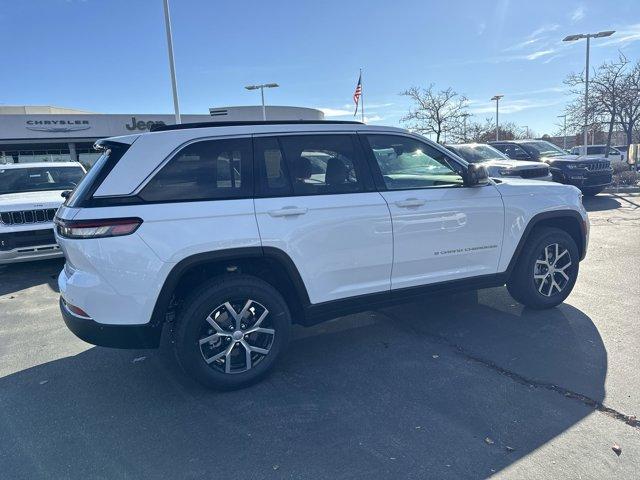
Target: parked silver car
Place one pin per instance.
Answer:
(498, 164)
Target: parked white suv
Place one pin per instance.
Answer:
(231, 232)
(598, 151)
(30, 194)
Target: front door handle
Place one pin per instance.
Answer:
(411, 202)
(287, 211)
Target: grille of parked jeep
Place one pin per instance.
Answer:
(534, 172)
(597, 166)
(28, 216)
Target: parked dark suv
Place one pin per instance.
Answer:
(589, 174)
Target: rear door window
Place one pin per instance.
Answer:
(308, 165)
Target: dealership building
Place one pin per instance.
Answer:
(49, 134)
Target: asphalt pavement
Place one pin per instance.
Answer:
(468, 386)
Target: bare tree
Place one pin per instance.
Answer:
(629, 111)
(434, 112)
(485, 132)
(605, 95)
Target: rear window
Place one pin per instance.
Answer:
(111, 154)
(38, 179)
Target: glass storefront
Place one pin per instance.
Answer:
(48, 153)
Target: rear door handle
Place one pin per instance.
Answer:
(411, 202)
(287, 211)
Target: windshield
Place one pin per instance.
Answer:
(37, 179)
(478, 153)
(544, 148)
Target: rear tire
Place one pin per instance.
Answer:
(231, 331)
(546, 270)
(591, 191)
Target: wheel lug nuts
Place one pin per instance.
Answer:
(243, 326)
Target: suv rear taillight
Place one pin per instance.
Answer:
(108, 227)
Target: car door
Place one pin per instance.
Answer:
(442, 230)
(315, 201)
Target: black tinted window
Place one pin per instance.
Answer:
(321, 164)
(207, 170)
(273, 172)
(514, 151)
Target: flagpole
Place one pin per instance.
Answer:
(362, 96)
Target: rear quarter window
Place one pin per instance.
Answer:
(205, 170)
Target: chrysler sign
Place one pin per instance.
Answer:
(58, 126)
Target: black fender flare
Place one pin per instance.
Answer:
(540, 217)
(242, 253)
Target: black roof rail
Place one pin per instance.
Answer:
(183, 126)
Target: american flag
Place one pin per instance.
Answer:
(357, 94)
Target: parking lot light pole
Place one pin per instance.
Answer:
(526, 127)
(261, 87)
(497, 99)
(588, 36)
(564, 131)
(464, 126)
(172, 66)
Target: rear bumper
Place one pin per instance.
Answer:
(115, 336)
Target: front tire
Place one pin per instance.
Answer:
(231, 331)
(547, 269)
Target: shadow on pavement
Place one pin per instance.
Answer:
(600, 203)
(19, 276)
(408, 392)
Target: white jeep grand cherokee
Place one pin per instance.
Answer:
(30, 194)
(231, 232)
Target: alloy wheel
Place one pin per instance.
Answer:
(236, 336)
(550, 270)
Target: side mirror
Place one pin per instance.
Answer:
(476, 176)
(65, 194)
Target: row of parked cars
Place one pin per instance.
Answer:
(542, 160)
(30, 193)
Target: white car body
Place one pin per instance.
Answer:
(598, 151)
(26, 219)
(344, 246)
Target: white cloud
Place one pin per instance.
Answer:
(513, 106)
(521, 45)
(578, 14)
(369, 105)
(538, 54)
(336, 112)
(622, 37)
(544, 29)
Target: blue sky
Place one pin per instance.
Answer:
(110, 55)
